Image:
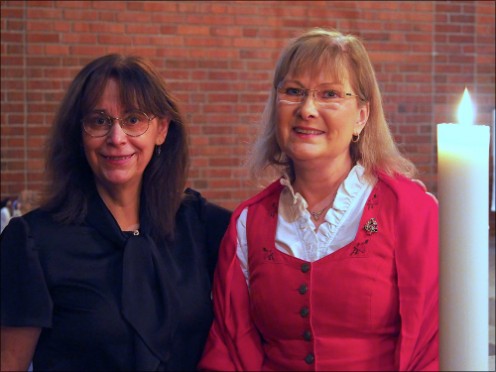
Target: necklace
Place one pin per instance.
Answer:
(316, 215)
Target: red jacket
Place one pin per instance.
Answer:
(371, 305)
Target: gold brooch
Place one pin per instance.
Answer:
(371, 226)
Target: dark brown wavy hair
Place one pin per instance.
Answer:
(70, 179)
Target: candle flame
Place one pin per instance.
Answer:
(466, 110)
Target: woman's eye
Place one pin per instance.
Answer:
(326, 94)
(100, 120)
(294, 92)
(132, 120)
(135, 118)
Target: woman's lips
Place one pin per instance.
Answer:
(301, 130)
(118, 158)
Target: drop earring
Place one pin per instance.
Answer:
(158, 150)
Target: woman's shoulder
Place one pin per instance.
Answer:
(272, 189)
(23, 231)
(204, 217)
(194, 203)
(408, 191)
(35, 223)
(36, 218)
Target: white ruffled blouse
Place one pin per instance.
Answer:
(296, 235)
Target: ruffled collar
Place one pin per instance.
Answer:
(293, 206)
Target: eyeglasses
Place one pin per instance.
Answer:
(325, 96)
(98, 123)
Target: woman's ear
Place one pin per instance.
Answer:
(163, 129)
(363, 116)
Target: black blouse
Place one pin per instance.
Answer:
(112, 300)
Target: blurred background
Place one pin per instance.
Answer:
(218, 58)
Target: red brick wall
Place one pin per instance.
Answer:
(218, 56)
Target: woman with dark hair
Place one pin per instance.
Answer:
(334, 266)
(113, 271)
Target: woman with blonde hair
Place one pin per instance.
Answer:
(334, 266)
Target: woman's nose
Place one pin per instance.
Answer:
(116, 134)
(308, 107)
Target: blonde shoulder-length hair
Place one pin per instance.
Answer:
(314, 51)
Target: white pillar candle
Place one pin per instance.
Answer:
(463, 190)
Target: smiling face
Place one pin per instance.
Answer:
(308, 131)
(117, 160)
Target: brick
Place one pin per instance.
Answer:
(57, 49)
(34, 12)
(112, 39)
(109, 5)
(71, 38)
(43, 38)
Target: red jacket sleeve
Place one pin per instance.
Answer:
(234, 342)
(418, 278)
